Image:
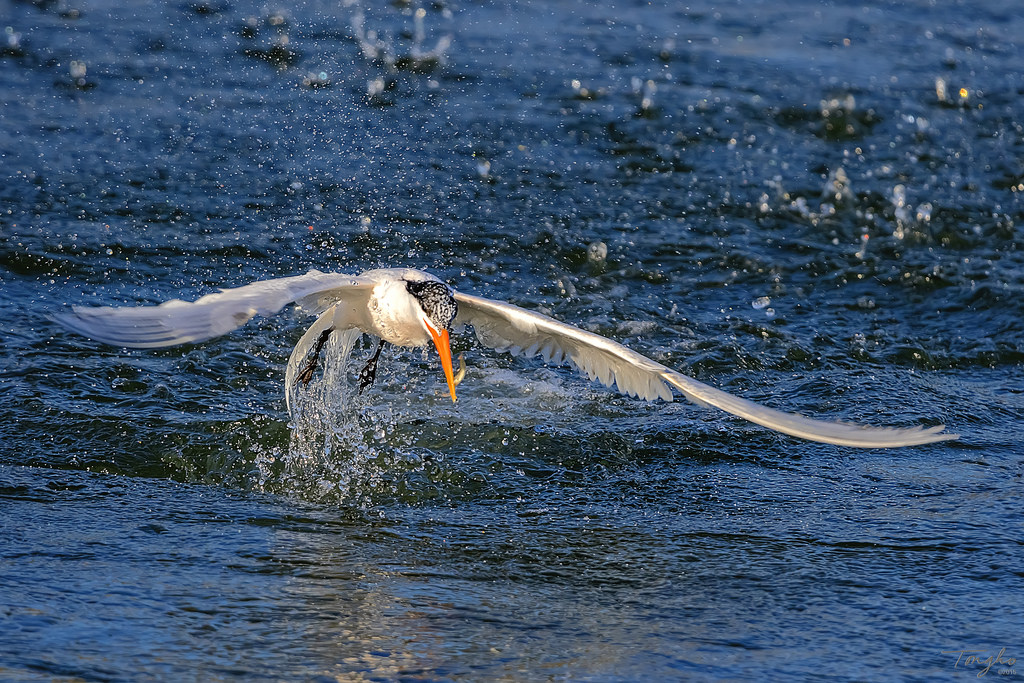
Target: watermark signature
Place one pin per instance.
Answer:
(983, 661)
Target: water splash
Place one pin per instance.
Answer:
(863, 251)
(901, 211)
(338, 447)
(417, 58)
(645, 89)
(837, 187)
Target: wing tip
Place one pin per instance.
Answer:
(879, 437)
(94, 322)
(71, 320)
(920, 435)
(937, 434)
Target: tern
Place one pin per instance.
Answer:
(412, 308)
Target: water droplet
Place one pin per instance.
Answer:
(865, 302)
(899, 196)
(924, 212)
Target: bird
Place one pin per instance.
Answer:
(406, 307)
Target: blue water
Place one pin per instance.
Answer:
(814, 206)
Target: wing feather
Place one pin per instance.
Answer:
(178, 322)
(505, 327)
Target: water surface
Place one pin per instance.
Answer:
(816, 207)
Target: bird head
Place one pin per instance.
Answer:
(438, 312)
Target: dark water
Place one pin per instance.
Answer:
(815, 206)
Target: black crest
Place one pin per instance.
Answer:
(436, 300)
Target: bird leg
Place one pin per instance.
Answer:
(369, 371)
(309, 368)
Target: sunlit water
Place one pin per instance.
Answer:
(813, 206)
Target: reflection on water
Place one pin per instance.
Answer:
(438, 591)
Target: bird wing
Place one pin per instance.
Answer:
(505, 327)
(177, 322)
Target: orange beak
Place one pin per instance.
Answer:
(445, 351)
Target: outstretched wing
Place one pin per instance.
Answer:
(177, 322)
(505, 327)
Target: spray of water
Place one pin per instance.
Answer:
(416, 58)
(341, 447)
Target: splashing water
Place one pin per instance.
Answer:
(417, 59)
(337, 446)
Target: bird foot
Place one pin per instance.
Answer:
(306, 374)
(369, 372)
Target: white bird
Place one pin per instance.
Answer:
(411, 308)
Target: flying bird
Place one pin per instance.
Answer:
(412, 308)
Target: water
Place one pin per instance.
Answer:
(814, 206)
